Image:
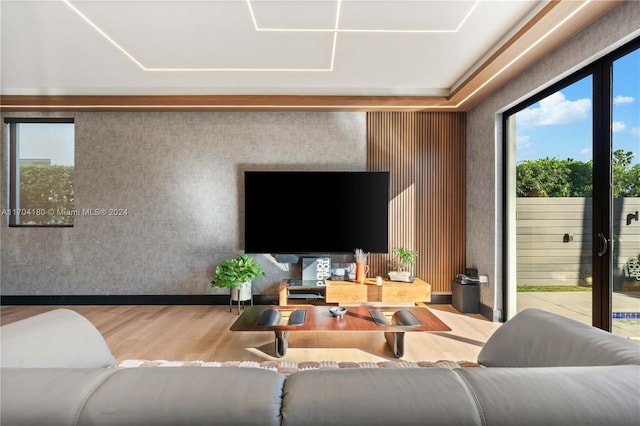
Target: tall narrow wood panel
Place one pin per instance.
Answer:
(425, 155)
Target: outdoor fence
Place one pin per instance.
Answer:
(554, 241)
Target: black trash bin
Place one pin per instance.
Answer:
(465, 294)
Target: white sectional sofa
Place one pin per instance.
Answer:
(542, 369)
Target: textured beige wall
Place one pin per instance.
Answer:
(179, 175)
(484, 139)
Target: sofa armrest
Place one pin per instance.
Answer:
(56, 339)
(536, 338)
(600, 395)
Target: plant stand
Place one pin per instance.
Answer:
(240, 295)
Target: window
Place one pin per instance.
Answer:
(41, 189)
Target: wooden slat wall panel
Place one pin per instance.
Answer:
(425, 155)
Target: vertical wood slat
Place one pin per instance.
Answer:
(425, 155)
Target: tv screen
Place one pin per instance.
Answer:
(316, 212)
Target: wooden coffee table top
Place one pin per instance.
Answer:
(319, 318)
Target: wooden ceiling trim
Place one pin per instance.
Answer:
(483, 82)
(217, 103)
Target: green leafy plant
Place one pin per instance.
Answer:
(233, 272)
(406, 258)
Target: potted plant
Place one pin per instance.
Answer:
(237, 274)
(406, 259)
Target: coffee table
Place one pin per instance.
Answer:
(357, 318)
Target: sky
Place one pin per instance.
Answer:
(560, 125)
(54, 142)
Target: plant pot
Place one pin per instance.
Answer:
(241, 293)
(404, 276)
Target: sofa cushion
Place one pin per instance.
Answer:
(61, 338)
(536, 338)
(556, 396)
(378, 397)
(36, 396)
(187, 396)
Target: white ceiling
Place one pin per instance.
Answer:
(326, 47)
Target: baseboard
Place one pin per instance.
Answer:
(158, 299)
(131, 299)
(494, 315)
(440, 299)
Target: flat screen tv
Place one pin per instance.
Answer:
(316, 212)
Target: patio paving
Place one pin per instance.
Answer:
(577, 305)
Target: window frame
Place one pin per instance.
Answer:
(14, 161)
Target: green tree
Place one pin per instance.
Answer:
(580, 178)
(46, 189)
(546, 177)
(626, 177)
(550, 177)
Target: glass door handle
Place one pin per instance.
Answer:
(604, 244)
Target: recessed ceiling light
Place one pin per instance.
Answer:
(363, 30)
(335, 30)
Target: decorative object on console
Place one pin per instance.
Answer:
(361, 265)
(237, 274)
(351, 272)
(406, 259)
(316, 269)
(338, 311)
(338, 273)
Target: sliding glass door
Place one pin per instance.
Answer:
(554, 202)
(625, 193)
(572, 187)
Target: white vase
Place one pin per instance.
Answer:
(241, 293)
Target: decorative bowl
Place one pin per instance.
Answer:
(337, 311)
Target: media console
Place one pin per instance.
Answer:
(336, 292)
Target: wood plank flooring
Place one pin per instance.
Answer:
(181, 333)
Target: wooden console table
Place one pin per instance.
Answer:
(389, 292)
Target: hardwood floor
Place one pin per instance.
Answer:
(181, 333)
